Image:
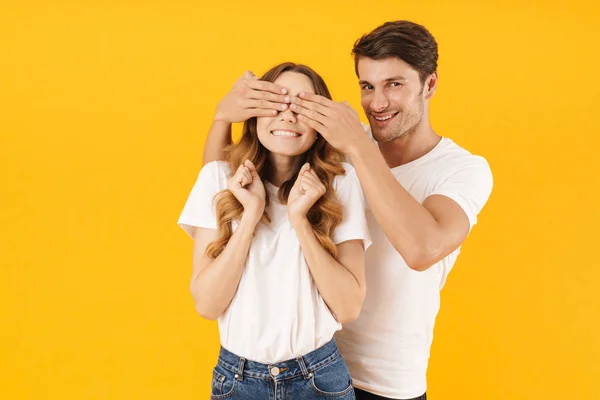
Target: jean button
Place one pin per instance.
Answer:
(275, 371)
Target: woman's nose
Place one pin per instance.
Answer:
(287, 116)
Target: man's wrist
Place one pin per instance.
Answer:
(221, 118)
(357, 147)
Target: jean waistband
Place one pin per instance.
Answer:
(304, 365)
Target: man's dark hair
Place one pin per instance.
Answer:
(408, 41)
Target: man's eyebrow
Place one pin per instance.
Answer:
(393, 78)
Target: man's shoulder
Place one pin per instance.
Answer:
(456, 167)
(455, 157)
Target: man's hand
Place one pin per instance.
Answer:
(337, 122)
(251, 97)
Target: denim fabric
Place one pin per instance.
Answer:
(321, 374)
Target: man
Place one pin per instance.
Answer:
(424, 193)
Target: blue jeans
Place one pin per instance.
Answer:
(321, 374)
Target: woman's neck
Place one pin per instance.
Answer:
(283, 168)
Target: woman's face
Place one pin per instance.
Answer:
(283, 134)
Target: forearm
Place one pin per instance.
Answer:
(215, 285)
(409, 226)
(219, 137)
(339, 288)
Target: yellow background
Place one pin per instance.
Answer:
(104, 108)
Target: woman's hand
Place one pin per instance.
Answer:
(304, 194)
(248, 188)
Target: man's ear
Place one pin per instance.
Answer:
(430, 85)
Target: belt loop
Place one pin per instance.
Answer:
(240, 371)
(303, 368)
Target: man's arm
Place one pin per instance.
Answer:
(422, 233)
(218, 139)
(248, 98)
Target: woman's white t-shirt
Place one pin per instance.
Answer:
(277, 312)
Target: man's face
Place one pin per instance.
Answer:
(392, 96)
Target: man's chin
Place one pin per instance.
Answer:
(382, 135)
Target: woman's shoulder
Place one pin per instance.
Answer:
(349, 176)
(214, 176)
(349, 168)
(217, 169)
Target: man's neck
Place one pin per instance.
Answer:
(410, 146)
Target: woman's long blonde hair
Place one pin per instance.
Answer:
(325, 215)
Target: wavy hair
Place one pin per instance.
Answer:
(325, 215)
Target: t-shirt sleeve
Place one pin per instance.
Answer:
(350, 194)
(470, 186)
(199, 209)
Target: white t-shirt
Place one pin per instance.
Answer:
(387, 347)
(277, 312)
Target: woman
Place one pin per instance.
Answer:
(279, 239)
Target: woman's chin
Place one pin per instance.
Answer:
(287, 150)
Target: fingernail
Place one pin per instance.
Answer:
(293, 106)
(287, 99)
(274, 112)
(283, 106)
(301, 94)
(284, 91)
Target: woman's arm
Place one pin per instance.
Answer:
(215, 281)
(341, 281)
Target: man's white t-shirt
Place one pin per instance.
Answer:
(387, 347)
(277, 312)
